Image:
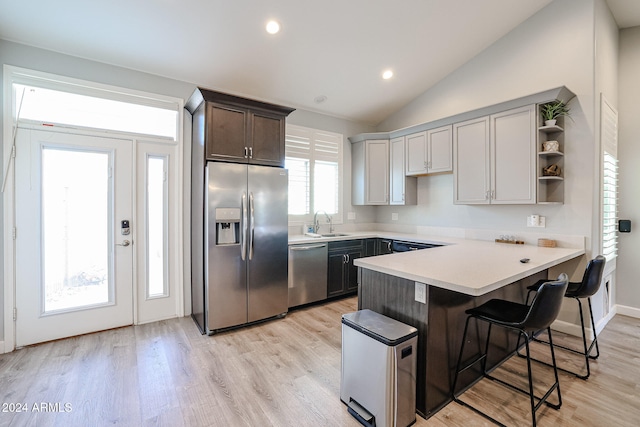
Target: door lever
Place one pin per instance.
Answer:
(124, 243)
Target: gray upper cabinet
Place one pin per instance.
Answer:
(430, 151)
(403, 189)
(493, 153)
(440, 150)
(416, 153)
(513, 155)
(495, 158)
(370, 172)
(471, 181)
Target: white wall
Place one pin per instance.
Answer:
(628, 274)
(553, 48)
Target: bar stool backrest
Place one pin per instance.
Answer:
(546, 305)
(591, 279)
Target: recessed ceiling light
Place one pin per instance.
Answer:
(387, 74)
(319, 99)
(273, 27)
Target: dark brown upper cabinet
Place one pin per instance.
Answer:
(239, 130)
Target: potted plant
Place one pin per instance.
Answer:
(552, 110)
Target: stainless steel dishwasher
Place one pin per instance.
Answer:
(307, 273)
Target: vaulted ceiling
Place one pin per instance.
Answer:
(328, 57)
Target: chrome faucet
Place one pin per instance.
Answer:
(316, 224)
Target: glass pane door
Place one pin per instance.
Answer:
(74, 260)
(76, 194)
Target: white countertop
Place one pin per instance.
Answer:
(471, 267)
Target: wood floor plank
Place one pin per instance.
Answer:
(284, 372)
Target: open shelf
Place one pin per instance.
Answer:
(550, 129)
(550, 189)
(550, 153)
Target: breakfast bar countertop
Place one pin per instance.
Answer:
(472, 267)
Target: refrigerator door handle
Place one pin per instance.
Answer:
(252, 225)
(243, 238)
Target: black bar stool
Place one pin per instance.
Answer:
(520, 318)
(585, 289)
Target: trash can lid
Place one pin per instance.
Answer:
(379, 327)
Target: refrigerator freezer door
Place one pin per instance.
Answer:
(225, 269)
(268, 241)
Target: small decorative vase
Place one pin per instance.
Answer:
(550, 122)
(550, 146)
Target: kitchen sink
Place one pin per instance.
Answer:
(334, 234)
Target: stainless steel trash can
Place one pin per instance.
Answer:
(378, 376)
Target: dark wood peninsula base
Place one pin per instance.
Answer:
(440, 323)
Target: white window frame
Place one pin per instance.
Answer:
(314, 151)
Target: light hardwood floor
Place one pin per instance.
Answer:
(279, 373)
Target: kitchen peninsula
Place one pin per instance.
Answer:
(431, 289)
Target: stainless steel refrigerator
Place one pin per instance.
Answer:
(245, 247)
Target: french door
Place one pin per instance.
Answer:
(74, 246)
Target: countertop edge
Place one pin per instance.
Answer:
(367, 263)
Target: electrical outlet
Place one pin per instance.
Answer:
(351, 215)
(394, 216)
(536, 221)
(421, 292)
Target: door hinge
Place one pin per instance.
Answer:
(14, 232)
(15, 314)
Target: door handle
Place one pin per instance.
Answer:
(246, 152)
(306, 248)
(124, 243)
(251, 152)
(251, 219)
(243, 238)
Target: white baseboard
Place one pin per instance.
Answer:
(573, 329)
(569, 328)
(627, 311)
(1, 347)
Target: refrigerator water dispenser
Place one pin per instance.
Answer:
(227, 226)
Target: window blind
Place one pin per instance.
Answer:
(609, 138)
(610, 207)
(314, 160)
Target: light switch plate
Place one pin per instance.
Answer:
(351, 215)
(421, 292)
(394, 216)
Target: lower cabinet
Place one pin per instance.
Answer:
(342, 275)
(370, 247)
